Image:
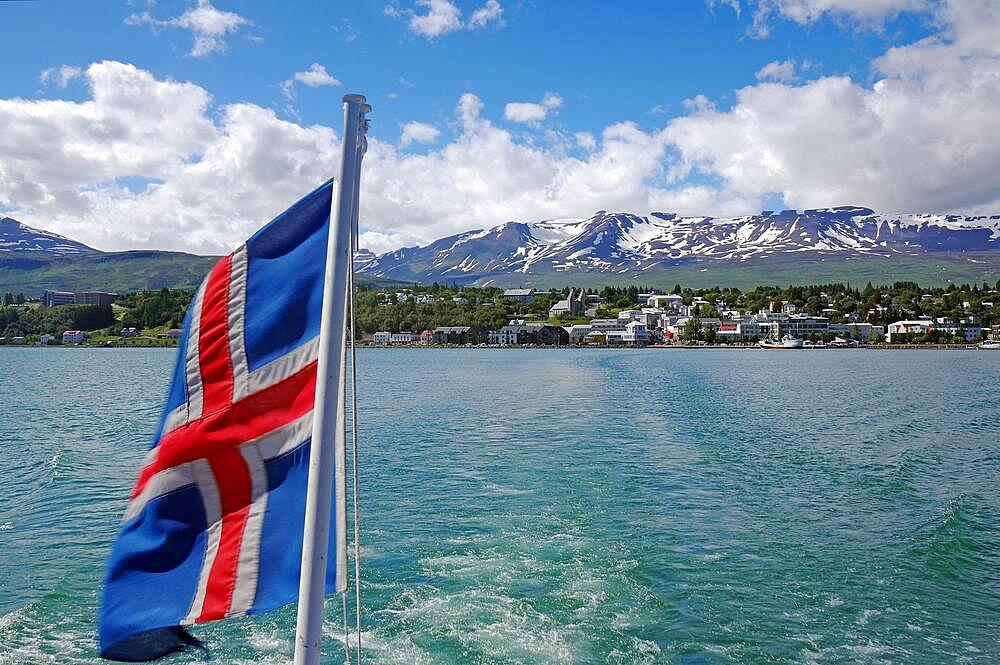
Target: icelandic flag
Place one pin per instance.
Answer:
(213, 528)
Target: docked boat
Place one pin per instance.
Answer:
(989, 346)
(786, 342)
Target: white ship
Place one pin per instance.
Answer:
(786, 342)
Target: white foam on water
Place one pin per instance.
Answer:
(493, 489)
(6, 526)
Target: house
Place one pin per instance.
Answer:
(427, 337)
(900, 328)
(519, 332)
(519, 295)
(460, 300)
(636, 334)
(615, 338)
(173, 333)
(46, 339)
(630, 314)
(650, 316)
(18, 340)
(129, 332)
(578, 333)
(401, 338)
(382, 338)
(969, 328)
(74, 337)
(669, 301)
(461, 335)
(603, 325)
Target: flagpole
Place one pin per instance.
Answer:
(329, 394)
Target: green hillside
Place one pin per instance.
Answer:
(120, 272)
(929, 269)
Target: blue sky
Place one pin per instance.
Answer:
(700, 107)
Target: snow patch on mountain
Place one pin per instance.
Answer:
(18, 237)
(622, 242)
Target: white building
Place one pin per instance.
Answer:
(919, 327)
(866, 332)
(401, 338)
(46, 339)
(636, 334)
(577, 333)
(382, 337)
(670, 301)
(74, 337)
(630, 314)
(603, 325)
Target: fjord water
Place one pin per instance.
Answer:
(681, 506)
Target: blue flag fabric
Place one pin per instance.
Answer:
(213, 528)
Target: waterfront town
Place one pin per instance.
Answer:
(671, 318)
(819, 316)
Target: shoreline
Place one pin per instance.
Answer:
(651, 347)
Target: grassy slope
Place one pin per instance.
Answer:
(929, 270)
(121, 272)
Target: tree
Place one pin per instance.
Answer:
(692, 329)
(710, 335)
(8, 298)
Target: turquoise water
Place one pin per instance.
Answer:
(659, 506)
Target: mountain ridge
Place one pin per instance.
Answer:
(626, 245)
(34, 260)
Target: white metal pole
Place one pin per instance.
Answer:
(316, 530)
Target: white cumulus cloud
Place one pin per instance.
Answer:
(870, 13)
(418, 132)
(491, 12)
(914, 140)
(61, 75)
(531, 113)
(314, 77)
(439, 17)
(209, 26)
(777, 71)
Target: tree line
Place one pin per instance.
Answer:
(453, 305)
(23, 322)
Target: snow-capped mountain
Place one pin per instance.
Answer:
(618, 243)
(18, 237)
